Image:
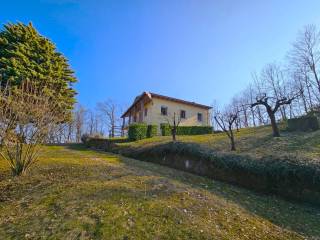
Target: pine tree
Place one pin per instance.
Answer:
(25, 55)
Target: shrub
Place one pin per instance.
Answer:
(137, 131)
(305, 123)
(193, 130)
(186, 130)
(84, 138)
(152, 131)
(165, 129)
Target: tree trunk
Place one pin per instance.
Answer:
(274, 125)
(174, 132)
(232, 142)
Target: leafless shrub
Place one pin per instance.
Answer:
(173, 121)
(26, 115)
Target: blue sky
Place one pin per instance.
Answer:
(194, 50)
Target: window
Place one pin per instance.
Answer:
(164, 111)
(182, 114)
(145, 112)
(199, 117)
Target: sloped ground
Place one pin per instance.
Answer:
(74, 193)
(254, 142)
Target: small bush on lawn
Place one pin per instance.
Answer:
(137, 131)
(152, 131)
(305, 123)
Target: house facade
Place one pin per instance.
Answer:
(152, 108)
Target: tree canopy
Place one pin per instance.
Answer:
(25, 55)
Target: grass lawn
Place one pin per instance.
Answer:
(255, 142)
(74, 193)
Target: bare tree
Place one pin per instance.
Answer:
(79, 116)
(247, 99)
(272, 105)
(257, 90)
(273, 95)
(110, 110)
(173, 122)
(26, 117)
(299, 82)
(227, 121)
(272, 77)
(306, 53)
(214, 112)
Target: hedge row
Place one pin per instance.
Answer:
(152, 131)
(281, 176)
(186, 130)
(165, 129)
(138, 131)
(305, 123)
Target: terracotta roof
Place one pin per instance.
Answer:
(151, 95)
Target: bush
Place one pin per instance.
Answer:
(165, 129)
(137, 131)
(305, 123)
(152, 131)
(186, 130)
(84, 138)
(194, 130)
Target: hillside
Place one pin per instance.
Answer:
(255, 142)
(74, 193)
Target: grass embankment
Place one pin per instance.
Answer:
(288, 166)
(74, 193)
(255, 142)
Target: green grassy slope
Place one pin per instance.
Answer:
(255, 142)
(74, 193)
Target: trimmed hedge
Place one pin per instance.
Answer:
(165, 129)
(185, 130)
(137, 131)
(152, 131)
(282, 176)
(193, 130)
(305, 123)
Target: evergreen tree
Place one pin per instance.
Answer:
(25, 55)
